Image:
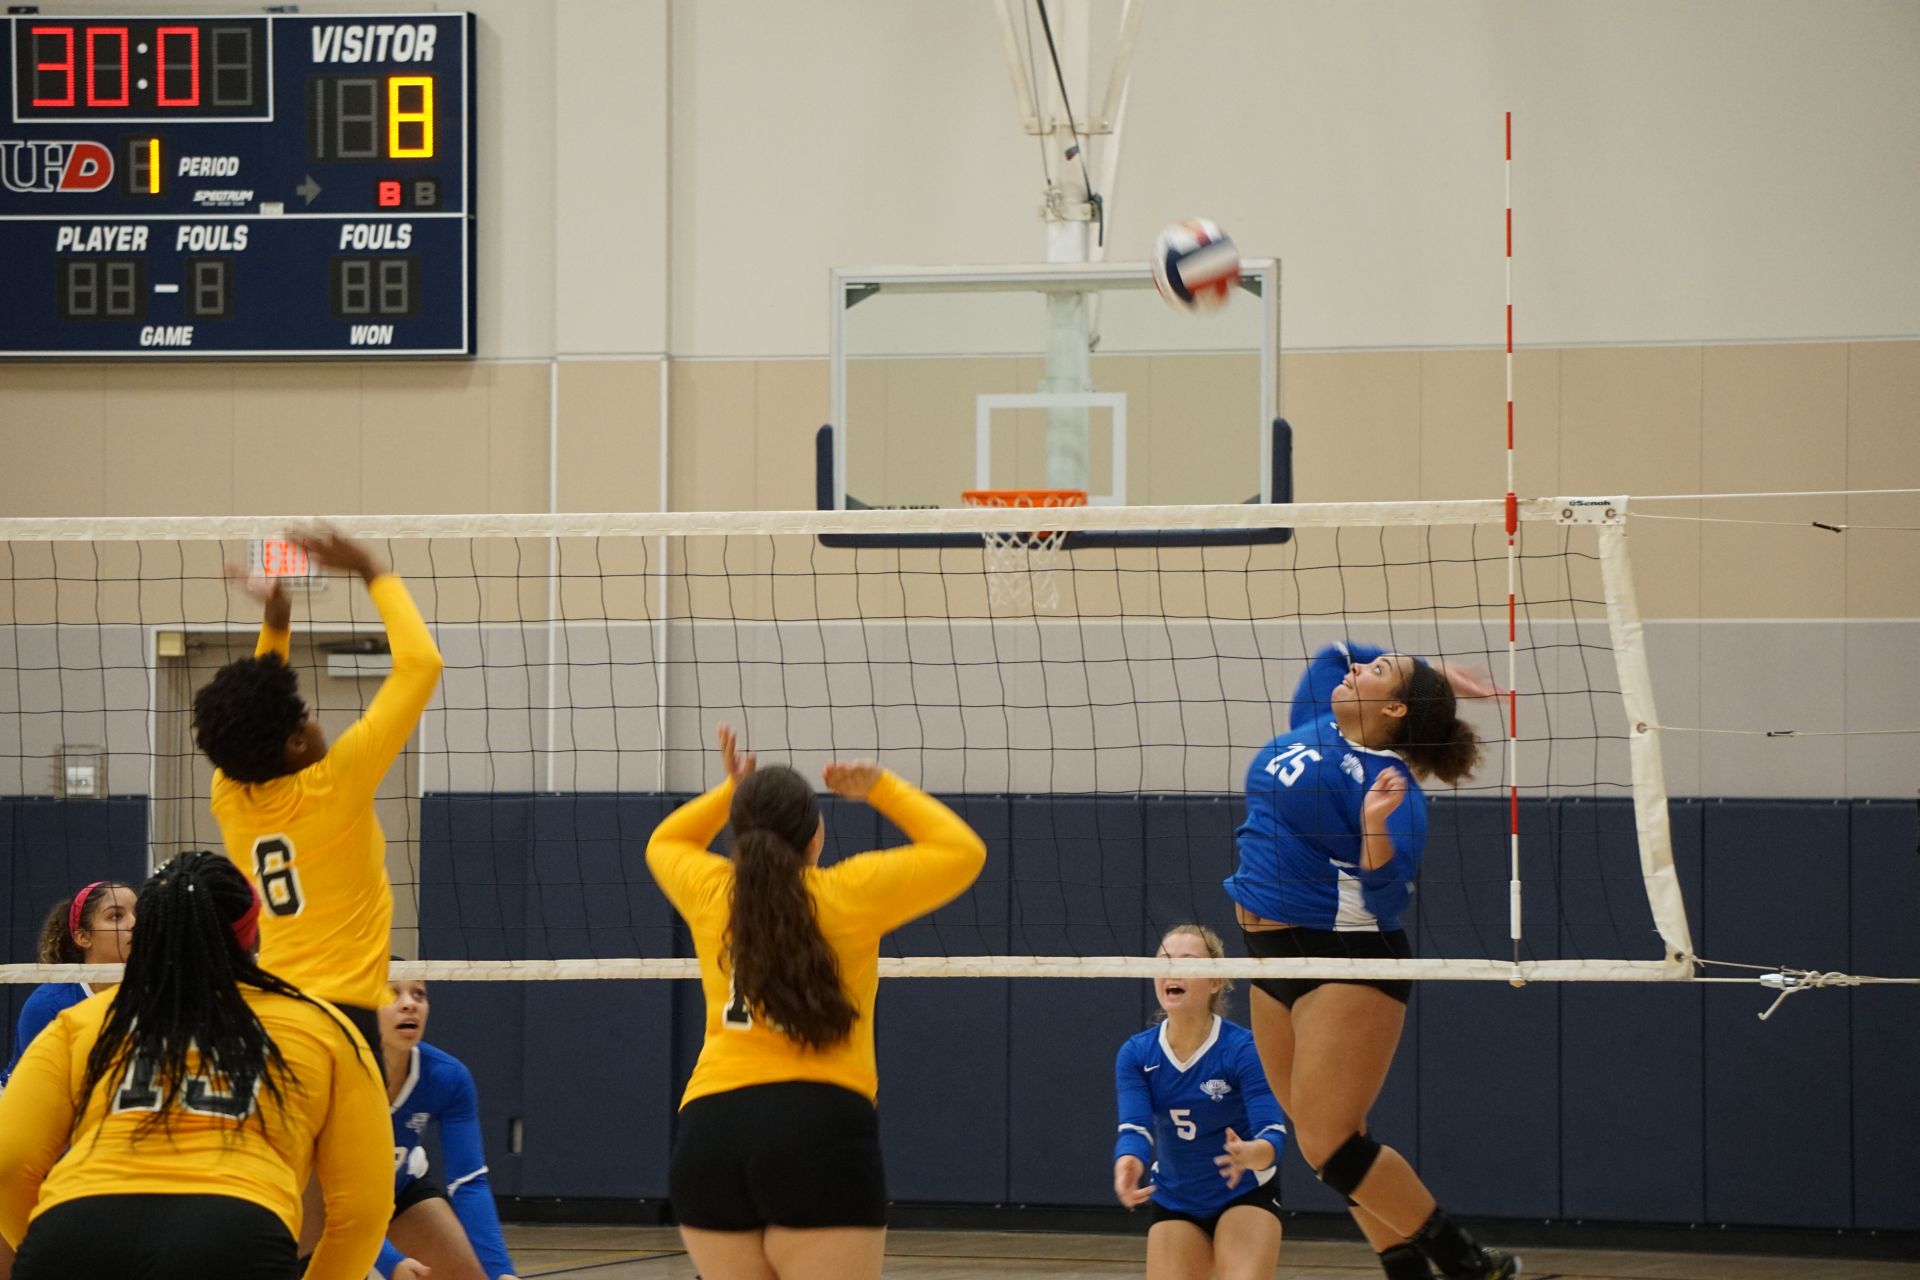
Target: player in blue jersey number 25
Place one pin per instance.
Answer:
(1336, 822)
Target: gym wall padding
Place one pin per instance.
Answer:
(1601, 1102)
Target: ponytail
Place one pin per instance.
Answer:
(1434, 741)
(782, 967)
(180, 996)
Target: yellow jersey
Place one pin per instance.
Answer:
(333, 1120)
(310, 842)
(857, 901)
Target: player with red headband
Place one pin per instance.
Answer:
(166, 1128)
(94, 926)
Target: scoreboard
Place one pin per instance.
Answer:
(240, 186)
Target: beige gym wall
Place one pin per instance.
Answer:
(223, 439)
(1716, 283)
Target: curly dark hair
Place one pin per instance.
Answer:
(56, 932)
(243, 717)
(1434, 741)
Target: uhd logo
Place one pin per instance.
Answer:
(55, 166)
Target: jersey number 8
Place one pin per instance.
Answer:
(279, 882)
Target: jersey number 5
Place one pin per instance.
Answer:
(279, 882)
(1182, 1125)
(1291, 763)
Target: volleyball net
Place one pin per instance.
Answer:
(1099, 747)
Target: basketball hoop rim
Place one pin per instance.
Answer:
(1037, 540)
(1024, 497)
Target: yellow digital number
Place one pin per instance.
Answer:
(398, 118)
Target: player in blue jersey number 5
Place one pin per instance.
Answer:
(1335, 825)
(1200, 1133)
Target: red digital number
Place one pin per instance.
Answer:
(192, 36)
(64, 67)
(389, 195)
(93, 67)
(280, 558)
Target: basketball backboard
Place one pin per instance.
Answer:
(1057, 375)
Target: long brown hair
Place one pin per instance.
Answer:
(1434, 741)
(783, 968)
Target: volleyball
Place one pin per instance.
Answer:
(1195, 265)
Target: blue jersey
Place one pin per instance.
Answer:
(439, 1090)
(1300, 844)
(1174, 1115)
(43, 1006)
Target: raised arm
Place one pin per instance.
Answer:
(36, 1119)
(1313, 696)
(364, 752)
(276, 611)
(1389, 827)
(893, 886)
(679, 853)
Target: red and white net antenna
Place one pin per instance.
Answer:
(1513, 565)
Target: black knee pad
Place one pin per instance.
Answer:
(1347, 1168)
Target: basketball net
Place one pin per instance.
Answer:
(1020, 566)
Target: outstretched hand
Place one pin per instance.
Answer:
(737, 765)
(1468, 682)
(332, 549)
(851, 779)
(1127, 1171)
(410, 1269)
(1243, 1156)
(258, 585)
(270, 592)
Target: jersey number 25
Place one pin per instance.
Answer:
(1291, 763)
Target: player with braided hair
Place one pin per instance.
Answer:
(166, 1128)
